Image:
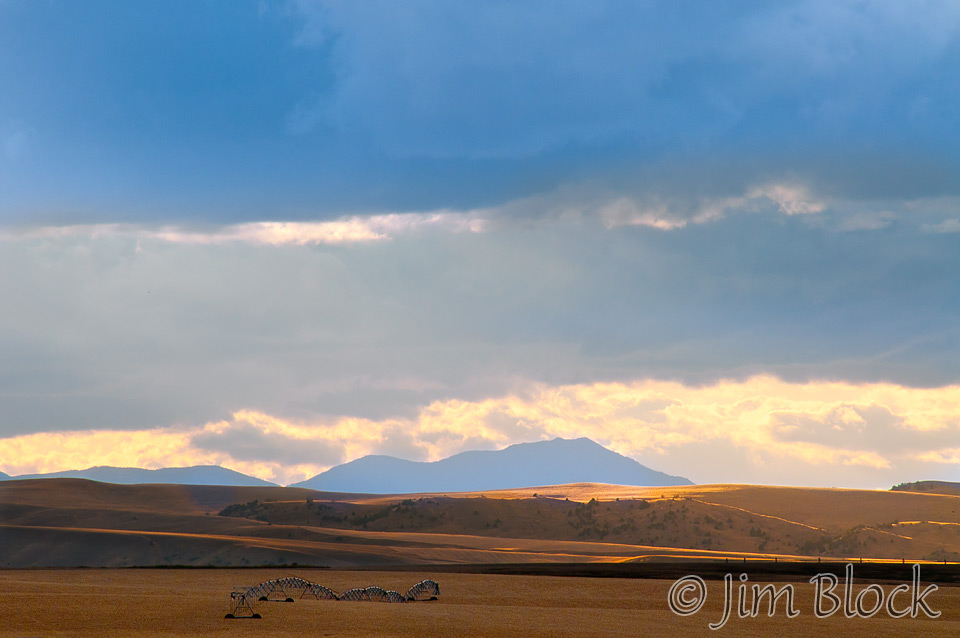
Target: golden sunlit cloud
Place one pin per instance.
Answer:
(764, 420)
(947, 455)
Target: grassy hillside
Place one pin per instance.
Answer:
(63, 522)
(931, 487)
(784, 521)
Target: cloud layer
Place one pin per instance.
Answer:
(759, 430)
(345, 230)
(132, 327)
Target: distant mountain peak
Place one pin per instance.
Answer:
(549, 462)
(192, 475)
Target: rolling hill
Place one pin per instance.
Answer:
(71, 522)
(555, 462)
(932, 487)
(195, 475)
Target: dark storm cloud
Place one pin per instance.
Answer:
(231, 111)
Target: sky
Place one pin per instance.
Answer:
(720, 238)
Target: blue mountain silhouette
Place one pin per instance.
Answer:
(195, 475)
(522, 465)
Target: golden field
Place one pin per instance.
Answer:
(178, 602)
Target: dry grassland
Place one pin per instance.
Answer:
(171, 602)
(71, 522)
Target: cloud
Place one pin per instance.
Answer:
(251, 442)
(866, 221)
(54, 451)
(341, 231)
(949, 456)
(244, 440)
(946, 226)
(476, 80)
(625, 212)
(673, 214)
(312, 109)
(126, 328)
(779, 431)
(665, 424)
(791, 200)
(661, 213)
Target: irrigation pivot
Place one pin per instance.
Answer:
(284, 589)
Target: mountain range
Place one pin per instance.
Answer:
(555, 462)
(195, 475)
